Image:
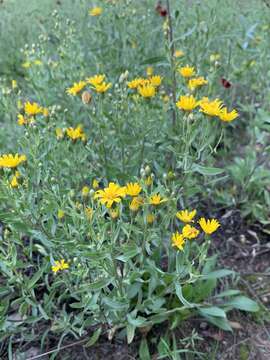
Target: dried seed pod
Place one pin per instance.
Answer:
(86, 97)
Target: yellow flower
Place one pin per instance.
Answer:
(178, 53)
(59, 265)
(178, 240)
(190, 232)
(156, 200)
(38, 62)
(21, 120)
(111, 194)
(226, 116)
(76, 133)
(150, 218)
(26, 64)
(148, 181)
(133, 84)
(147, 91)
(149, 71)
(14, 84)
(187, 71)
(95, 11)
(209, 226)
(95, 184)
(11, 161)
(96, 80)
(114, 213)
(45, 112)
(133, 189)
(88, 213)
(60, 214)
(32, 108)
(187, 103)
(76, 88)
(186, 216)
(85, 191)
(211, 108)
(135, 203)
(196, 82)
(14, 181)
(214, 57)
(103, 87)
(155, 80)
(59, 133)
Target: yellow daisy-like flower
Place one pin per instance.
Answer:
(96, 80)
(135, 203)
(95, 11)
(226, 116)
(85, 191)
(190, 232)
(32, 109)
(59, 133)
(37, 62)
(89, 213)
(196, 82)
(95, 184)
(103, 87)
(60, 214)
(147, 91)
(133, 84)
(133, 189)
(59, 265)
(150, 218)
(209, 226)
(26, 64)
(186, 216)
(21, 120)
(76, 133)
(187, 103)
(187, 71)
(211, 108)
(178, 240)
(14, 182)
(76, 88)
(156, 200)
(111, 194)
(155, 80)
(11, 161)
(149, 70)
(178, 53)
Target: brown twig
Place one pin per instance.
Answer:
(171, 48)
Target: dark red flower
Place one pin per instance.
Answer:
(161, 10)
(225, 83)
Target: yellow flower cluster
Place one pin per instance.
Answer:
(96, 83)
(210, 108)
(191, 232)
(95, 11)
(146, 87)
(76, 133)
(31, 109)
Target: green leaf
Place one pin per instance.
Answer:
(130, 333)
(153, 60)
(144, 353)
(243, 303)
(207, 171)
(35, 278)
(218, 274)
(128, 253)
(94, 338)
(115, 304)
(178, 291)
(220, 322)
(229, 292)
(98, 285)
(212, 311)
